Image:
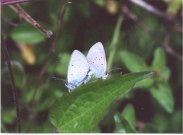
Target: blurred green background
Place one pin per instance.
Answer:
(134, 40)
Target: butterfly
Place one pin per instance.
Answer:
(78, 70)
(97, 61)
(81, 68)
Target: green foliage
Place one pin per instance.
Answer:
(63, 62)
(163, 94)
(8, 13)
(99, 2)
(167, 123)
(133, 62)
(9, 117)
(174, 6)
(159, 65)
(125, 122)
(27, 34)
(82, 109)
(122, 125)
(159, 60)
(129, 115)
(118, 125)
(160, 91)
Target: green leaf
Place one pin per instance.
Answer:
(129, 115)
(159, 60)
(133, 62)
(163, 94)
(164, 122)
(118, 125)
(144, 83)
(165, 74)
(159, 65)
(174, 6)
(27, 34)
(125, 124)
(8, 115)
(83, 109)
(8, 13)
(100, 3)
(68, 14)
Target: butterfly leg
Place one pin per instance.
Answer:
(70, 86)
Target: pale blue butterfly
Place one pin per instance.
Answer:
(97, 61)
(78, 70)
(81, 68)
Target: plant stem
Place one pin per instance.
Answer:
(134, 17)
(9, 2)
(15, 95)
(114, 41)
(19, 10)
(169, 50)
(152, 9)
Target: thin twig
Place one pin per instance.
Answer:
(19, 10)
(169, 50)
(135, 18)
(3, 19)
(15, 95)
(152, 9)
(139, 22)
(114, 41)
(9, 2)
(142, 24)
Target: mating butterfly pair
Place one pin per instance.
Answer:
(81, 68)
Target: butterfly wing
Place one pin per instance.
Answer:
(78, 68)
(97, 60)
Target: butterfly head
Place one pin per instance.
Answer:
(104, 77)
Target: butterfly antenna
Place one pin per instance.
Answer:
(114, 69)
(58, 79)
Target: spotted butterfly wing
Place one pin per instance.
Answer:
(97, 60)
(77, 70)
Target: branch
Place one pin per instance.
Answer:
(152, 9)
(19, 10)
(9, 2)
(15, 95)
(169, 50)
(135, 18)
(114, 41)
